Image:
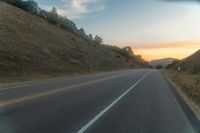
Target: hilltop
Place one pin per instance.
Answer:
(190, 64)
(163, 62)
(30, 45)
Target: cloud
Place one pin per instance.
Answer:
(182, 0)
(77, 8)
(177, 50)
(81, 5)
(170, 45)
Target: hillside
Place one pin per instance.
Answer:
(190, 64)
(29, 45)
(163, 62)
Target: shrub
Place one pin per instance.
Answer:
(159, 67)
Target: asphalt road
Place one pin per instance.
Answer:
(129, 101)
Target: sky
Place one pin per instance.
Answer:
(153, 28)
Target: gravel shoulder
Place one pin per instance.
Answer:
(188, 87)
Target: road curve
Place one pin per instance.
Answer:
(128, 101)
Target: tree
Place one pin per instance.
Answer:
(53, 16)
(43, 14)
(90, 37)
(17, 3)
(54, 11)
(98, 40)
(30, 6)
(68, 25)
(129, 51)
(82, 33)
(13, 2)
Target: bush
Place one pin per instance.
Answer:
(98, 40)
(29, 6)
(159, 67)
(53, 17)
(173, 63)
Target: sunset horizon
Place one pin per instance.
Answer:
(177, 50)
(100, 66)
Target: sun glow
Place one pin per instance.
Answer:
(174, 50)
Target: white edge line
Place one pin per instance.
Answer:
(91, 122)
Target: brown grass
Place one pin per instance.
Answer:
(190, 64)
(189, 83)
(31, 46)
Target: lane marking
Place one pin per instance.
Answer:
(30, 97)
(91, 122)
(22, 85)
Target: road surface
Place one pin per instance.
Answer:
(128, 101)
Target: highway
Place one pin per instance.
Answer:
(127, 101)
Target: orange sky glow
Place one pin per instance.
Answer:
(178, 50)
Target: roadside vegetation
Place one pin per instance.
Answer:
(189, 83)
(186, 74)
(53, 17)
(174, 62)
(34, 47)
(191, 64)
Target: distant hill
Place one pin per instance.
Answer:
(190, 64)
(163, 62)
(29, 45)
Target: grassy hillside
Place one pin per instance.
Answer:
(189, 77)
(30, 45)
(190, 64)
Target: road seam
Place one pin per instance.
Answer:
(92, 121)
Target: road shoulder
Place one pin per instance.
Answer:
(191, 110)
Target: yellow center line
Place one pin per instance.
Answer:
(42, 94)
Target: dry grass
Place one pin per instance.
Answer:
(189, 83)
(190, 64)
(32, 47)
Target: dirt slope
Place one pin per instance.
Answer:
(190, 64)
